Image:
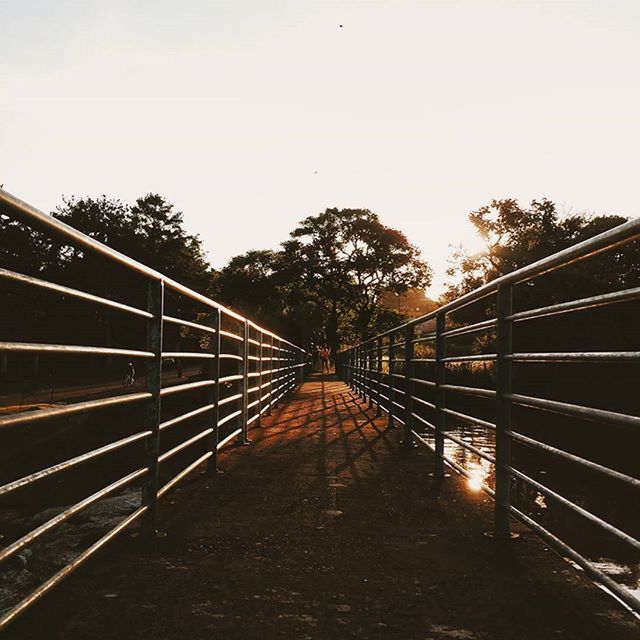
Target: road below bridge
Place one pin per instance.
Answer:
(325, 527)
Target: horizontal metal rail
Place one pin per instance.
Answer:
(583, 462)
(233, 378)
(230, 417)
(186, 355)
(31, 417)
(476, 327)
(72, 462)
(183, 445)
(572, 506)
(71, 349)
(233, 336)
(471, 391)
(186, 416)
(65, 515)
(483, 357)
(186, 387)
(577, 411)
(80, 559)
(583, 356)
(228, 399)
(73, 293)
(569, 552)
(184, 473)
(230, 437)
(187, 323)
(582, 304)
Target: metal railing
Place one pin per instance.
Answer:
(260, 368)
(372, 368)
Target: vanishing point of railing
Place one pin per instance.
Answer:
(414, 391)
(244, 371)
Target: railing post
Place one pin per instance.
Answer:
(370, 373)
(379, 376)
(392, 393)
(260, 357)
(155, 306)
(409, 336)
(504, 349)
(244, 439)
(354, 371)
(363, 376)
(440, 399)
(277, 381)
(214, 372)
(270, 375)
(351, 365)
(361, 372)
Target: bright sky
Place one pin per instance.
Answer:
(252, 115)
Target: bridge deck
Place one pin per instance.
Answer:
(326, 528)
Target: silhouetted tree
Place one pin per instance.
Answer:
(150, 231)
(327, 282)
(516, 236)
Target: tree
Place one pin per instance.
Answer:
(328, 280)
(247, 283)
(516, 236)
(23, 249)
(150, 231)
(355, 261)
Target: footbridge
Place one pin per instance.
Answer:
(191, 476)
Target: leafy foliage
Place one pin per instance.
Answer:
(516, 236)
(328, 280)
(150, 231)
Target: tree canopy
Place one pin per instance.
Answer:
(150, 231)
(327, 282)
(516, 235)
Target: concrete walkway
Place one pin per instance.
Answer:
(326, 528)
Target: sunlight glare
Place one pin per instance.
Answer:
(476, 476)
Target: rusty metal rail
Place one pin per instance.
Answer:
(264, 368)
(371, 368)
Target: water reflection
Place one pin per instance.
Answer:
(616, 561)
(478, 473)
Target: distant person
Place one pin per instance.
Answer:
(324, 359)
(130, 375)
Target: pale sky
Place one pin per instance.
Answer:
(249, 116)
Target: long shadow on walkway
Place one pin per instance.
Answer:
(326, 528)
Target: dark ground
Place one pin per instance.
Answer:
(326, 528)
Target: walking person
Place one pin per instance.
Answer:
(130, 376)
(324, 359)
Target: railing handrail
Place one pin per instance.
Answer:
(619, 235)
(260, 380)
(368, 381)
(16, 208)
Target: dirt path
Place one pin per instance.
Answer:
(325, 528)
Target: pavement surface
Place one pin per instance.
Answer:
(325, 527)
